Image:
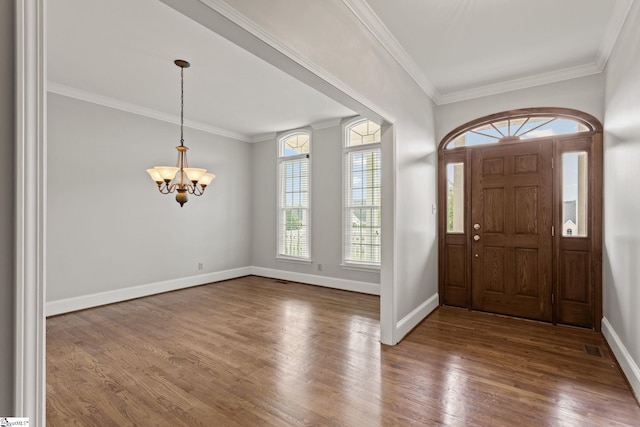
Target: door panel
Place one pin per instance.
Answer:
(511, 200)
(574, 293)
(526, 207)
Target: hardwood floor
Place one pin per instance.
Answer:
(256, 351)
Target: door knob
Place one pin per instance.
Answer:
(476, 237)
(476, 226)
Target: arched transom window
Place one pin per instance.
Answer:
(514, 128)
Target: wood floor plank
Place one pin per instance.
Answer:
(262, 352)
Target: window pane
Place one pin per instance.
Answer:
(295, 238)
(294, 145)
(455, 198)
(364, 132)
(548, 126)
(362, 222)
(575, 191)
(294, 208)
(365, 228)
(492, 131)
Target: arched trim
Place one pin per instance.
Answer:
(588, 122)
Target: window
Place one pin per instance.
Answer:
(293, 196)
(518, 128)
(362, 195)
(575, 191)
(455, 198)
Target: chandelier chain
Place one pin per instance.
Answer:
(181, 106)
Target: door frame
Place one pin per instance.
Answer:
(463, 295)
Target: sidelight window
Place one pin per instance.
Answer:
(455, 198)
(575, 190)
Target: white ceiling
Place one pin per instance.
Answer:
(120, 53)
(462, 49)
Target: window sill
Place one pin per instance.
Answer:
(294, 260)
(362, 267)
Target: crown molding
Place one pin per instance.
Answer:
(372, 22)
(323, 124)
(366, 15)
(263, 137)
(521, 83)
(105, 101)
(619, 15)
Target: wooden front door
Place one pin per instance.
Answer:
(511, 216)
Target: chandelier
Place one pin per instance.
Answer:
(181, 179)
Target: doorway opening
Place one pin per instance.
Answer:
(520, 232)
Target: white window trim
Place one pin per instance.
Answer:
(294, 260)
(347, 264)
(373, 268)
(279, 160)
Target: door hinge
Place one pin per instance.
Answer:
(552, 163)
(553, 231)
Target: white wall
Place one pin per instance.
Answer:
(621, 252)
(584, 94)
(108, 226)
(328, 35)
(326, 211)
(7, 207)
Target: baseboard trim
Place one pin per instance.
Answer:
(68, 305)
(628, 365)
(411, 320)
(109, 297)
(312, 279)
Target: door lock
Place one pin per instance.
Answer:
(476, 237)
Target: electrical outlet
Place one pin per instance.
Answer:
(319, 267)
(200, 266)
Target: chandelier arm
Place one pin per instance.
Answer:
(172, 188)
(198, 190)
(188, 187)
(192, 188)
(163, 187)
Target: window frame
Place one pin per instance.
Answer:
(281, 160)
(350, 264)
